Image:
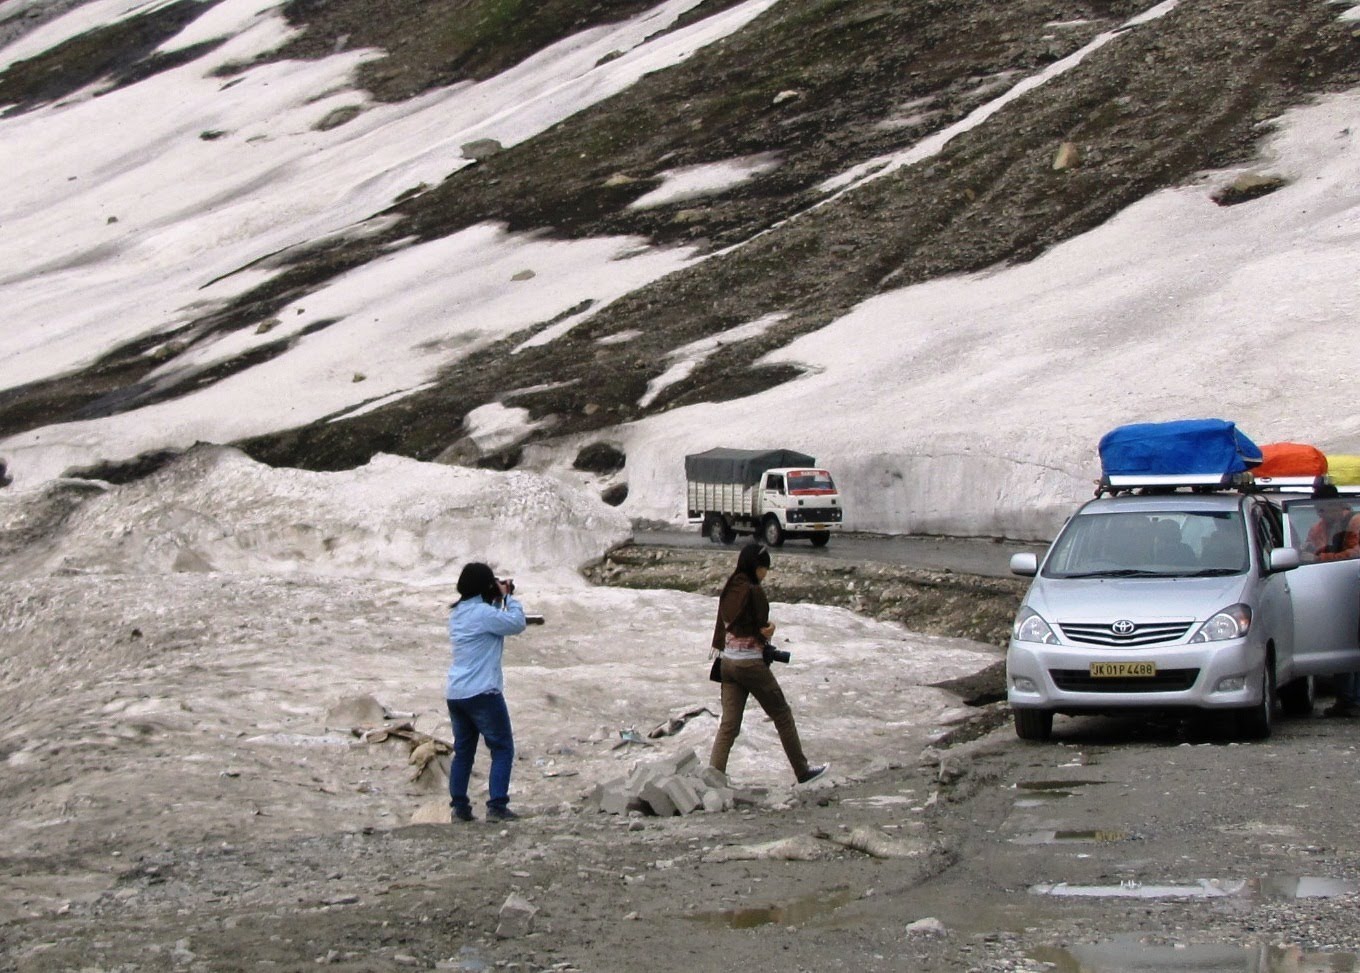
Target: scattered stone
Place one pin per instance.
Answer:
(1248, 186)
(874, 842)
(338, 116)
(432, 812)
(523, 275)
(929, 926)
(1068, 157)
(800, 848)
(516, 917)
(479, 150)
(788, 94)
(950, 770)
(601, 458)
(352, 711)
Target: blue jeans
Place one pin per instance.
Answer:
(487, 717)
(1348, 688)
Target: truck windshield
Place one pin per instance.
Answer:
(810, 482)
(1150, 544)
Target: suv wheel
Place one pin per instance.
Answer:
(1254, 722)
(1033, 724)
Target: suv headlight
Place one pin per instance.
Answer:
(1029, 627)
(1230, 623)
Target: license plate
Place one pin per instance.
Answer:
(1116, 670)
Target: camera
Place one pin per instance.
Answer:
(770, 654)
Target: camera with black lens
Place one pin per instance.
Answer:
(770, 654)
(506, 584)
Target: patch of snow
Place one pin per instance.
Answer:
(692, 182)
(494, 426)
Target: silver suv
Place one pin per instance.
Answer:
(1181, 601)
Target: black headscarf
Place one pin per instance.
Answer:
(753, 555)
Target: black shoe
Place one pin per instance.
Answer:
(1342, 710)
(813, 773)
(462, 814)
(501, 814)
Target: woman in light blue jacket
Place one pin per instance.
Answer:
(485, 613)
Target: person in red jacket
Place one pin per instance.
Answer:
(1336, 535)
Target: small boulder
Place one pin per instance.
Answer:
(516, 917)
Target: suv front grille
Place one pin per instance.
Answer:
(1166, 681)
(1137, 634)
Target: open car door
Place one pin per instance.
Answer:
(1325, 591)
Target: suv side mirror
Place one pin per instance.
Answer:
(1283, 559)
(1025, 564)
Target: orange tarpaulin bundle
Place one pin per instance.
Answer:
(1290, 459)
(1345, 470)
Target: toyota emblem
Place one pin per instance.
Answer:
(1123, 627)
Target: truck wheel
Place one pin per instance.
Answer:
(820, 540)
(716, 530)
(772, 532)
(1033, 724)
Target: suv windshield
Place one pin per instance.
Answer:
(1150, 544)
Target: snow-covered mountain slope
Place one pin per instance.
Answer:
(942, 248)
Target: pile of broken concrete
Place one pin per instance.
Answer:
(678, 784)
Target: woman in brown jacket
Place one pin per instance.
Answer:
(742, 631)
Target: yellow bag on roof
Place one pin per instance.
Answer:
(1344, 470)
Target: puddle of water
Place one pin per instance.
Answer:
(1271, 887)
(1302, 887)
(1134, 957)
(792, 913)
(1054, 785)
(1205, 888)
(1072, 837)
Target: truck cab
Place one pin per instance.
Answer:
(798, 502)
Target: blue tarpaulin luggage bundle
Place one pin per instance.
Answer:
(1184, 447)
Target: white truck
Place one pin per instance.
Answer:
(774, 494)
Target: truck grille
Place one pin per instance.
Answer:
(1124, 635)
(814, 515)
(1166, 681)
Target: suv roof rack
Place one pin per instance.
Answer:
(1169, 483)
(1290, 484)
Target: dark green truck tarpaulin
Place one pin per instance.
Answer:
(742, 466)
